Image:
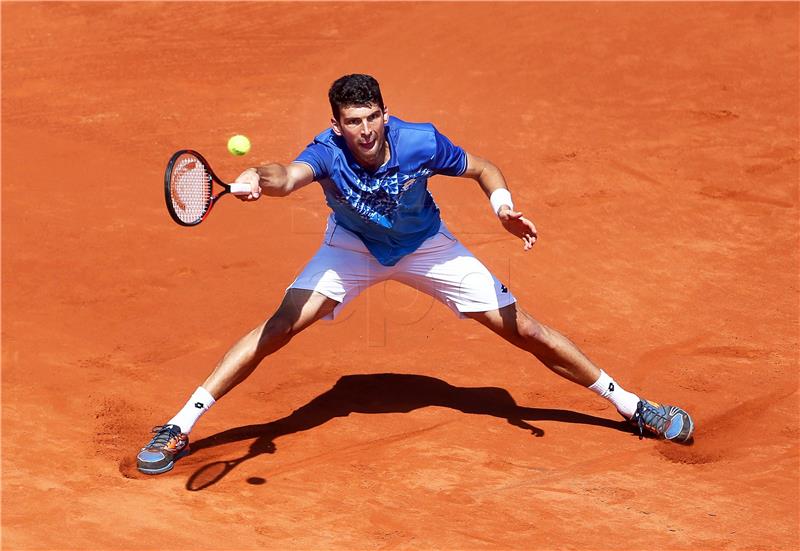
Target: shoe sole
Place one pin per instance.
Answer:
(165, 468)
(689, 437)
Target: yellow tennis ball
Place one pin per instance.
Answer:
(238, 145)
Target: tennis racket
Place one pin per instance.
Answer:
(189, 187)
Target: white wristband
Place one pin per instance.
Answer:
(500, 197)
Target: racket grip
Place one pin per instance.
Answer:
(240, 188)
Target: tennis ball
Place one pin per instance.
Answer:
(238, 145)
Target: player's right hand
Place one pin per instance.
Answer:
(251, 177)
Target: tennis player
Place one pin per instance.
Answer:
(374, 170)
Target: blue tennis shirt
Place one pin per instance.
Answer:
(390, 209)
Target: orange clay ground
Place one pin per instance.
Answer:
(654, 145)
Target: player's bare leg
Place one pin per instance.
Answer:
(564, 358)
(549, 346)
(299, 309)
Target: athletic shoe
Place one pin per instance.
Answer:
(168, 445)
(669, 422)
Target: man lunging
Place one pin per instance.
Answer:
(384, 224)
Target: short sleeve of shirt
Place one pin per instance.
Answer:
(449, 159)
(318, 157)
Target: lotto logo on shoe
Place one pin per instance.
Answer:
(611, 387)
(199, 405)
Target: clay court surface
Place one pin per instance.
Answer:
(654, 145)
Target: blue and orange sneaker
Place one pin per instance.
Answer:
(668, 422)
(167, 446)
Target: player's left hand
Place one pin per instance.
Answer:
(518, 225)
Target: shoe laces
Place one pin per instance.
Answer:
(651, 417)
(164, 433)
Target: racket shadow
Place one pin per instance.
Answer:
(382, 393)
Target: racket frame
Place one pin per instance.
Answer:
(209, 172)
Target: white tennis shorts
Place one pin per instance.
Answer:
(441, 267)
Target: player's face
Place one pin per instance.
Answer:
(363, 128)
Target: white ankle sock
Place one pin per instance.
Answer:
(624, 401)
(198, 404)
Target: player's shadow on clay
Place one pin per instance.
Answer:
(380, 393)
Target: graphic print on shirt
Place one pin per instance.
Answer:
(377, 199)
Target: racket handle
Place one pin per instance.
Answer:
(240, 188)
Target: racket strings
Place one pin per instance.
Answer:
(190, 189)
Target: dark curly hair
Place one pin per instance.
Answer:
(354, 90)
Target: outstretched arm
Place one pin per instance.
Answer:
(491, 179)
(275, 179)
